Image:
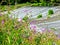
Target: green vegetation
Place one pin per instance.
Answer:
(48, 16)
(12, 7)
(17, 31)
(5, 8)
(13, 4)
(39, 16)
(50, 12)
(44, 2)
(25, 18)
(13, 32)
(41, 4)
(35, 4)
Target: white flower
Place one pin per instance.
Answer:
(20, 19)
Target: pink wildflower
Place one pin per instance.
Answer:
(49, 31)
(33, 27)
(2, 21)
(0, 14)
(43, 29)
(33, 22)
(20, 19)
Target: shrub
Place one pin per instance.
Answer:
(50, 12)
(43, 4)
(39, 16)
(25, 18)
(48, 4)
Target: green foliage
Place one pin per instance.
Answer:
(39, 16)
(43, 4)
(1, 37)
(50, 12)
(35, 4)
(58, 1)
(25, 18)
(48, 4)
(30, 1)
(39, 4)
(52, 1)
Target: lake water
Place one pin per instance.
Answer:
(32, 12)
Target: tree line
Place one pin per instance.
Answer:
(24, 1)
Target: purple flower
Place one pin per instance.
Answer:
(32, 22)
(49, 31)
(33, 27)
(0, 14)
(43, 29)
(2, 21)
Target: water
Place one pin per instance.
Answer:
(33, 12)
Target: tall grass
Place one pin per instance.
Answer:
(14, 32)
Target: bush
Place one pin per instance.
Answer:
(43, 4)
(50, 12)
(25, 18)
(39, 16)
